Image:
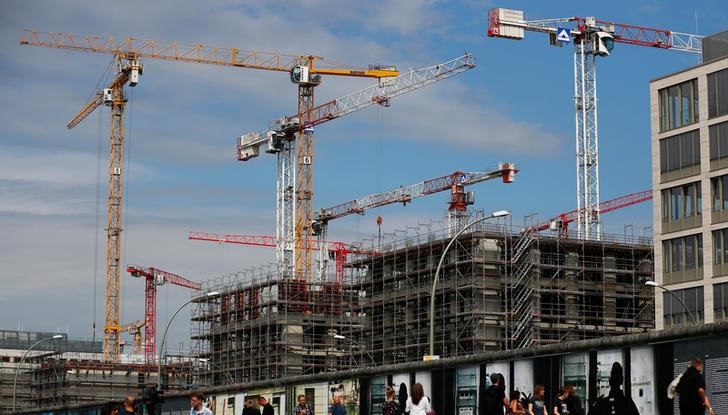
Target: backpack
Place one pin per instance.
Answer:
(672, 387)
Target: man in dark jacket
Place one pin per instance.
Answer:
(491, 403)
(265, 405)
(616, 402)
(691, 388)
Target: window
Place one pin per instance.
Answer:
(720, 301)
(682, 259)
(680, 151)
(718, 136)
(681, 202)
(677, 312)
(678, 105)
(719, 186)
(720, 248)
(717, 93)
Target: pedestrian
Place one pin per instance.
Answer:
(537, 406)
(110, 408)
(560, 407)
(302, 408)
(336, 407)
(250, 408)
(267, 407)
(573, 402)
(418, 403)
(196, 400)
(691, 389)
(402, 397)
(151, 398)
(494, 397)
(128, 406)
(616, 402)
(515, 406)
(390, 406)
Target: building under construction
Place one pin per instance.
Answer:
(498, 289)
(63, 371)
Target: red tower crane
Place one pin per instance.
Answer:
(155, 277)
(561, 222)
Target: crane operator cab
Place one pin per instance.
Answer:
(302, 75)
(603, 43)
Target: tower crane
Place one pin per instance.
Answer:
(341, 250)
(135, 329)
(128, 54)
(592, 38)
(561, 222)
(155, 277)
(294, 237)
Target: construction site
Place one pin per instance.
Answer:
(469, 283)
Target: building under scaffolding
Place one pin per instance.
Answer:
(68, 372)
(498, 290)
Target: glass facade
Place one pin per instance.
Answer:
(675, 313)
(718, 93)
(679, 105)
(680, 151)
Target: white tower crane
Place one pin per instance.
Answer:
(592, 38)
(279, 136)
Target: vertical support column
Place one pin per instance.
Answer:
(150, 311)
(587, 143)
(304, 186)
(113, 228)
(285, 235)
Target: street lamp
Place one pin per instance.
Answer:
(17, 369)
(164, 336)
(340, 337)
(687, 310)
(497, 214)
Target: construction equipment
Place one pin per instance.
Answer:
(128, 54)
(455, 182)
(135, 329)
(592, 38)
(293, 244)
(340, 250)
(155, 277)
(561, 222)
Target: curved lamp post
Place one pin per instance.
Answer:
(164, 336)
(340, 337)
(687, 310)
(17, 369)
(497, 214)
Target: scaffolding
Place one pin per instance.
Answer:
(500, 288)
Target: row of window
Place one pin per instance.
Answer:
(681, 202)
(679, 306)
(679, 103)
(680, 151)
(682, 254)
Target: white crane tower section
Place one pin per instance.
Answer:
(591, 38)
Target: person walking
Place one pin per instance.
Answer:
(560, 406)
(267, 407)
(390, 406)
(515, 406)
(128, 406)
(494, 396)
(537, 406)
(691, 389)
(616, 402)
(250, 408)
(302, 408)
(573, 402)
(196, 400)
(418, 403)
(336, 407)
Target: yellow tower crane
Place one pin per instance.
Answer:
(128, 55)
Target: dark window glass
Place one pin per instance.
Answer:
(689, 200)
(663, 156)
(700, 250)
(676, 255)
(718, 138)
(678, 105)
(717, 247)
(715, 189)
(689, 252)
(718, 93)
(665, 256)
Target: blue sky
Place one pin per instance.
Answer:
(182, 122)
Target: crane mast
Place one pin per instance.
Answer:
(592, 38)
(294, 191)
